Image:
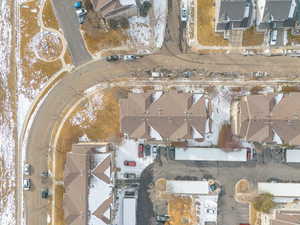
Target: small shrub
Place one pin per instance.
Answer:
(264, 203)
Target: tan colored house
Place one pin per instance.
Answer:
(87, 173)
(164, 116)
(260, 118)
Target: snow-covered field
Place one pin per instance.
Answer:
(7, 124)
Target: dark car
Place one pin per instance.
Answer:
(147, 150)
(129, 163)
(141, 151)
(112, 58)
(130, 175)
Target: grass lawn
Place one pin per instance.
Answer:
(252, 38)
(293, 39)
(205, 24)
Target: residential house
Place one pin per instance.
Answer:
(275, 14)
(88, 185)
(164, 116)
(233, 15)
(268, 118)
(113, 9)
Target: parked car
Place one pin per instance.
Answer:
(273, 37)
(27, 184)
(154, 151)
(45, 193)
(112, 58)
(27, 169)
(129, 163)
(147, 150)
(162, 218)
(130, 175)
(183, 14)
(141, 151)
(129, 57)
(81, 12)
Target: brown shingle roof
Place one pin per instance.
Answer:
(100, 169)
(259, 118)
(172, 115)
(171, 104)
(102, 209)
(76, 174)
(288, 108)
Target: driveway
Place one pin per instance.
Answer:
(68, 21)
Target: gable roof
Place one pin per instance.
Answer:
(78, 169)
(259, 116)
(172, 115)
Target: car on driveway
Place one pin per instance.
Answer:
(147, 150)
(273, 37)
(154, 151)
(130, 175)
(141, 151)
(129, 163)
(27, 184)
(27, 169)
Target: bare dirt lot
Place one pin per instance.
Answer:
(205, 24)
(252, 38)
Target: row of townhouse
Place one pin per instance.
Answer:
(264, 14)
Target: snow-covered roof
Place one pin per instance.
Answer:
(210, 154)
(280, 189)
(187, 187)
(293, 155)
(129, 211)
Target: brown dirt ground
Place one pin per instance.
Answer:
(243, 186)
(254, 216)
(103, 40)
(35, 72)
(48, 16)
(205, 24)
(252, 38)
(226, 139)
(293, 38)
(181, 211)
(67, 58)
(287, 89)
(58, 201)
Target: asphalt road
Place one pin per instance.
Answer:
(68, 21)
(71, 86)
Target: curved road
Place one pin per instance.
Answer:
(69, 89)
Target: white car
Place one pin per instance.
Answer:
(27, 169)
(183, 14)
(154, 151)
(129, 57)
(27, 184)
(81, 14)
(273, 37)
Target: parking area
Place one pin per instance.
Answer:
(267, 165)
